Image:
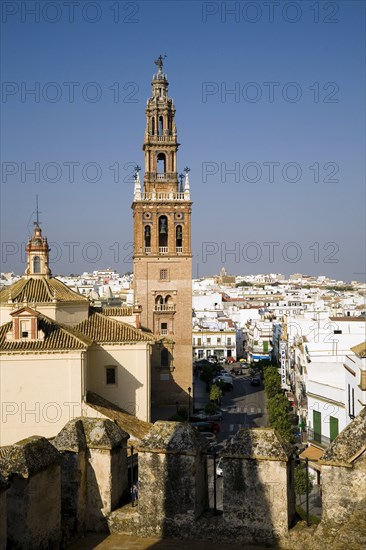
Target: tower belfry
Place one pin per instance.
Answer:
(162, 247)
(37, 250)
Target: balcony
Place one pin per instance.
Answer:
(147, 249)
(164, 331)
(179, 250)
(163, 250)
(318, 439)
(161, 176)
(163, 197)
(164, 307)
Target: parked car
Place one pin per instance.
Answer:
(224, 382)
(215, 416)
(219, 467)
(206, 426)
(255, 381)
(198, 416)
(237, 370)
(229, 360)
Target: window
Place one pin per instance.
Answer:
(179, 238)
(163, 274)
(165, 357)
(255, 342)
(164, 328)
(147, 236)
(229, 341)
(265, 346)
(24, 328)
(161, 123)
(36, 265)
(163, 231)
(208, 341)
(110, 376)
(351, 402)
(161, 163)
(219, 341)
(199, 341)
(317, 423)
(333, 427)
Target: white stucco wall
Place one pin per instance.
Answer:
(39, 393)
(132, 389)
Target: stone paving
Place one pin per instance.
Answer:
(127, 542)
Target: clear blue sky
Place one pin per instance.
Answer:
(297, 113)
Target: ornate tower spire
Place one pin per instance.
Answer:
(37, 250)
(160, 143)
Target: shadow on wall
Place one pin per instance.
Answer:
(258, 500)
(122, 387)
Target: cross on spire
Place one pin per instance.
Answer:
(37, 222)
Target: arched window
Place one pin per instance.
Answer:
(159, 300)
(163, 231)
(153, 125)
(147, 236)
(36, 264)
(165, 357)
(179, 238)
(161, 126)
(161, 163)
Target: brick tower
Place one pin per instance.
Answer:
(162, 250)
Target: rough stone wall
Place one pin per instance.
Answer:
(255, 497)
(343, 488)
(166, 490)
(73, 495)
(34, 510)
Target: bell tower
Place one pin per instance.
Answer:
(37, 250)
(162, 249)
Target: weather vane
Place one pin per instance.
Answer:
(186, 170)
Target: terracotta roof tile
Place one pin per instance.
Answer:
(39, 290)
(100, 328)
(118, 311)
(57, 337)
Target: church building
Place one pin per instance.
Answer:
(56, 348)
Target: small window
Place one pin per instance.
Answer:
(164, 328)
(163, 274)
(208, 341)
(110, 373)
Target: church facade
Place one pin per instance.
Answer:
(55, 347)
(162, 249)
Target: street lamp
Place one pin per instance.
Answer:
(189, 402)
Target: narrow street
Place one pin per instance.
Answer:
(243, 407)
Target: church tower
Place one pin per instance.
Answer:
(37, 250)
(162, 250)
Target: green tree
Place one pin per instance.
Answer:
(207, 373)
(272, 381)
(215, 393)
(300, 480)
